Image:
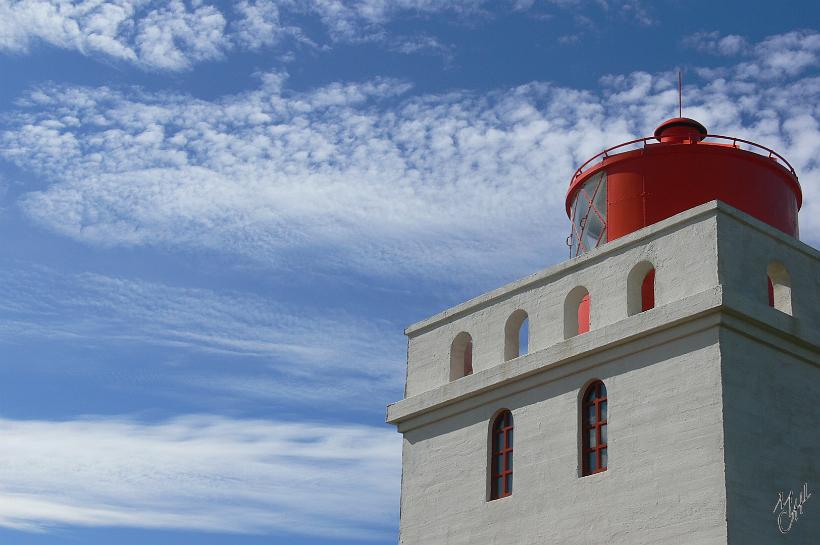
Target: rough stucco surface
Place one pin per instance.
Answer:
(685, 259)
(713, 398)
(665, 482)
(772, 437)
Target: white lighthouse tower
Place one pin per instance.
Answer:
(666, 386)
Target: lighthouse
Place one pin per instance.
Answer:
(661, 386)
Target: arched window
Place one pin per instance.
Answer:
(501, 467)
(516, 335)
(780, 287)
(577, 312)
(640, 288)
(461, 356)
(593, 436)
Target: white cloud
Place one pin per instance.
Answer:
(422, 43)
(713, 42)
(782, 55)
(364, 176)
(364, 20)
(176, 34)
(201, 472)
(172, 37)
(158, 35)
(260, 24)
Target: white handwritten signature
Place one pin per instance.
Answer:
(791, 508)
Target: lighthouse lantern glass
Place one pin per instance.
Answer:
(589, 215)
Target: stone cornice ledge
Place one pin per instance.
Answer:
(653, 327)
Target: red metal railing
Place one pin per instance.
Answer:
(770, 153)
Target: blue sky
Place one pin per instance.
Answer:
(217, 219)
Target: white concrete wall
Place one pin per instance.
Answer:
(772, 431)
(665, 478)
(746, 247)
(683, 251)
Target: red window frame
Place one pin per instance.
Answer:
(502, 456)
(594, 436)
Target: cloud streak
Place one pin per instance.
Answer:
(200, 472)
(306, 356)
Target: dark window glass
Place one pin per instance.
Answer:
(588, 215)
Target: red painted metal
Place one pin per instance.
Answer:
(594, 438)
(680, 167)
(583, 315)
(502, 467)
(648, 291)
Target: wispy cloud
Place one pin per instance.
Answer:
(366, 176)
(717, 44)
(423, 43)
(200, 472)
(302, 356)
(777, 56)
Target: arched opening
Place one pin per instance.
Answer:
(461, 356)
(501, 452)
(577, 317)
(779, 287)
(640, 288)
(516, 335)
(594, 457)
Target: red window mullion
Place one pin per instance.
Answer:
(502, 448)
(593, 427)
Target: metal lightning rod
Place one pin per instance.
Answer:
(680, 93)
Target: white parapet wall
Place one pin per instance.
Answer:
(687, 254)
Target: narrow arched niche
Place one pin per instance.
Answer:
(640, 288)
(461, 356)
(516, 335)
(577, 312)
(779, 287)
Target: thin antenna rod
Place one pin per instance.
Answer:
(680, 93)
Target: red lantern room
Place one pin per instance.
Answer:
(649, 179)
